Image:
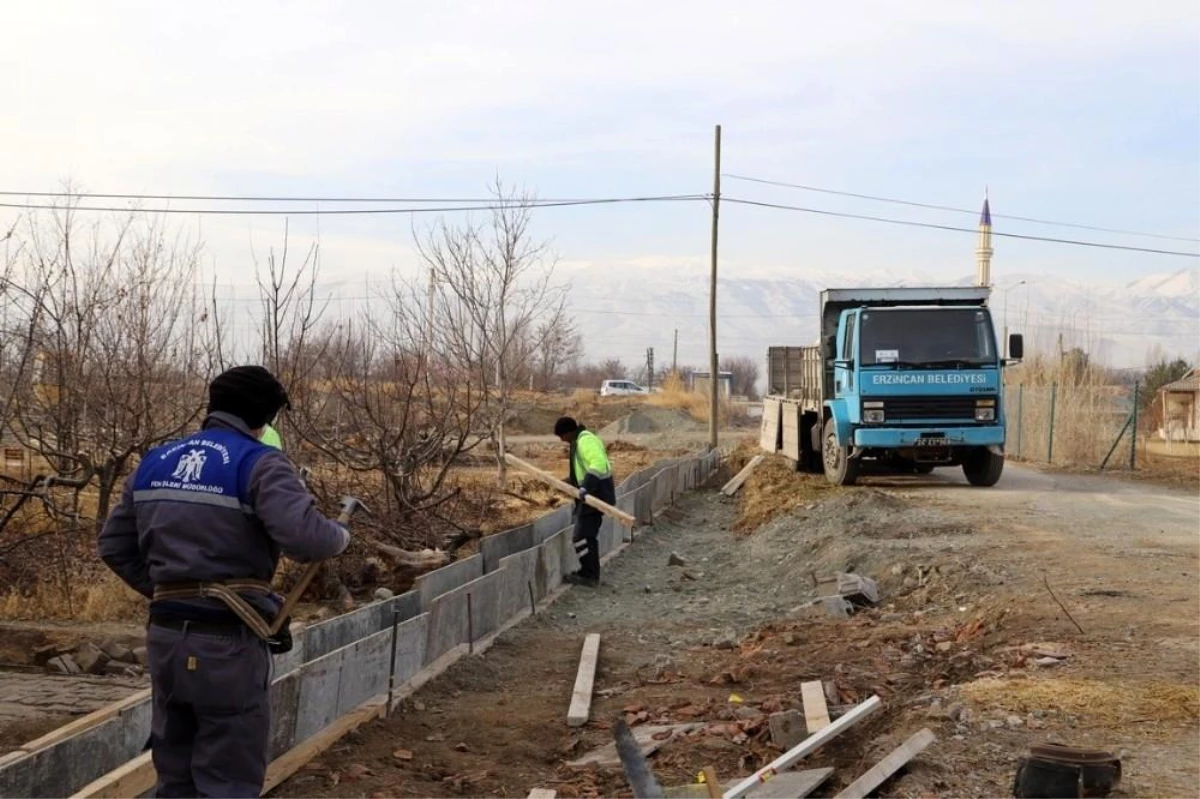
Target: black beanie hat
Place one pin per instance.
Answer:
(250, 393)
(564, 425)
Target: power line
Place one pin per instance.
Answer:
(956, 210)
(360, 211)
(285, 199)
(933, 226)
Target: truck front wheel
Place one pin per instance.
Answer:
(839, 468)
(983, 467)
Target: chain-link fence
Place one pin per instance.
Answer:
(1071, 425)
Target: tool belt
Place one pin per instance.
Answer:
(1055, 770)
(227, 592)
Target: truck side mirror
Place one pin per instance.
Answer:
(830, 347)
(1016, 346)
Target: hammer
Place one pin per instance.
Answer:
(349, 506)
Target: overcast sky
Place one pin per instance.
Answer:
(1082, 112)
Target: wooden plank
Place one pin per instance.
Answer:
(581, 698)
(710, 782)
(294, 760)
(86, 722)
(543, 793)
(806, 747)
(735, 484)
(132, 779)
(816, 714)
(788, 785)
(881, 771)
(570, 490)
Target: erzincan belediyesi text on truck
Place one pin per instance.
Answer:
(910, 378)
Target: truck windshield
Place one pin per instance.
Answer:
(927, 337)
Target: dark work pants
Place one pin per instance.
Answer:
(211, 715)
(587, 543)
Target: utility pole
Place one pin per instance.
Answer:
(675, 354)
(712, 296)
(649, 367)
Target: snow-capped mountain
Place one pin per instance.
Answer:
(623, 309)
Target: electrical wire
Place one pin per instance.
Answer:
(933, 226)
(362, 211)
(952, 208)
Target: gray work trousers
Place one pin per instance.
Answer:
(211, 711)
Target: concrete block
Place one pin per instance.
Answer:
(551, 523)
(520, 576)
(486, 596)
(437, 582)
(319, 680)
(333, 634)
(557, 557)
(447, 623)
(411, 638)
(501, 545)
(858, 589)
(285, 709)
(290, 661)
(365, 669)
(787, 728)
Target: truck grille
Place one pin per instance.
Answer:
(906, 409)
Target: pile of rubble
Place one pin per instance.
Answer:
(111, 658)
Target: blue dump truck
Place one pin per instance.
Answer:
(907, 379)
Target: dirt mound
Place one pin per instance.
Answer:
(652, 420)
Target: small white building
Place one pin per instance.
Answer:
(698, 382)
(1180, 403)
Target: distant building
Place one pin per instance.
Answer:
(1180, 403)
(698, 382)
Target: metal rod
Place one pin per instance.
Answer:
(1050, 438)
(1020, 416)
(470, 628)
(1133, 431)
(532, 603)
(1116, 441)
(392, 663)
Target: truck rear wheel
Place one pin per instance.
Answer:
(839, 468)
(983, 467)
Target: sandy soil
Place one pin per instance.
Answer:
(964, 575)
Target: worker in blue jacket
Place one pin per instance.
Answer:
(199, 531)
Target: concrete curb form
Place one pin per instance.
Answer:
(339, 665)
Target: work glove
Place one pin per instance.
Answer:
(282, 641)
(582, 494)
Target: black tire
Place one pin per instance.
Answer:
(922, 468)
(983, 468)
(839, 468)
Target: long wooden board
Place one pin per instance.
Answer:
(806, 747)
(609, 510)
(732, 487)
(816, 714)
(885, 768)
(581, 697)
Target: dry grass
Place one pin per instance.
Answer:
(1109, 704)
(105, 599)
(674, 395)
(774, 489)
(1088, 409)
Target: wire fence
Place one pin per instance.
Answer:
(1072, 425)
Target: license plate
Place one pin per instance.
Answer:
(932, 442)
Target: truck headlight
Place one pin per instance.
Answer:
(873, 412)
(985, 410)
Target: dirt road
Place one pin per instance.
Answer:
(963, 573)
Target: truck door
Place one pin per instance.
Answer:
(843, 366)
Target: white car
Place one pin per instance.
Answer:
(620, 388)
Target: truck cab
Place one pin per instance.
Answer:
(908, 378)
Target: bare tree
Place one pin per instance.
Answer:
(559, 345)
(614, 369)
(119, 350)
(745, 375)
(494, 287)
